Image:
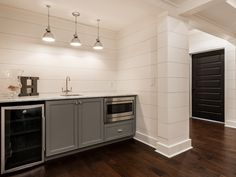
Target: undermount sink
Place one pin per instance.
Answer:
(71, 94)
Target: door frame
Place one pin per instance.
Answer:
(190, 84)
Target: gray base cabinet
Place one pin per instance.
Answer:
(75, 124)
(61, 121)
(90, 131)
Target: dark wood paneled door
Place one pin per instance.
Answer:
(208, 85)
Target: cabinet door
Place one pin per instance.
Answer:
(61, 126)
(90, 122)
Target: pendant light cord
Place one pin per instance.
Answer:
(48, 6)
(76, 15)
(98, 20)
(76, 26)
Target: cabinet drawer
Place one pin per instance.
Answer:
(119, 130)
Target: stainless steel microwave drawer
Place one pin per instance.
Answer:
(119, 130)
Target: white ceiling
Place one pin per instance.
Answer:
(114, 14)
(221, 14)
(117, 14)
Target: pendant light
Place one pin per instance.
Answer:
(75, 41)
(98, 45)
(48, 36)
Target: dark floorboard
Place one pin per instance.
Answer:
(213, 155)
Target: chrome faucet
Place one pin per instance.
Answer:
(67, 90)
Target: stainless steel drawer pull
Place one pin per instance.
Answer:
(24, 111)
(119, 130)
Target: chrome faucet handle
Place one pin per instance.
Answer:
(67, 90)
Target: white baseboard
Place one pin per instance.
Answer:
(175, 149)
(207, 120)
(168, 151)
(230, 124)
(146, 139)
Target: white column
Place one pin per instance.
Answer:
(173, 87)
(230, 85)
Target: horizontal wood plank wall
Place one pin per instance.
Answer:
(137, 72)
(21, 47)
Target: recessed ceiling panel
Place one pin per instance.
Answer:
(222, 14)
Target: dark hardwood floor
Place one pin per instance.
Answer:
(213, 155)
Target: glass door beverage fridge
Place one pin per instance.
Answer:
(22, 137)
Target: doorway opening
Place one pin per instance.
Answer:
(208, 85)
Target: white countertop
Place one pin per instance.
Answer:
(47, 97)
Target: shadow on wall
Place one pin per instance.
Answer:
(140, 123)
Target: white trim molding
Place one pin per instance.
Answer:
(146, 139)
(193, 7)
(175, 149)
(230, 123)
(209, 26)
(207, 120)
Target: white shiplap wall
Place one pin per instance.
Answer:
(21, 47)
(137, 72)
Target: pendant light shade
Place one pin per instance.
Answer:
(98, 45)
(48, 36)
(75, 41)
